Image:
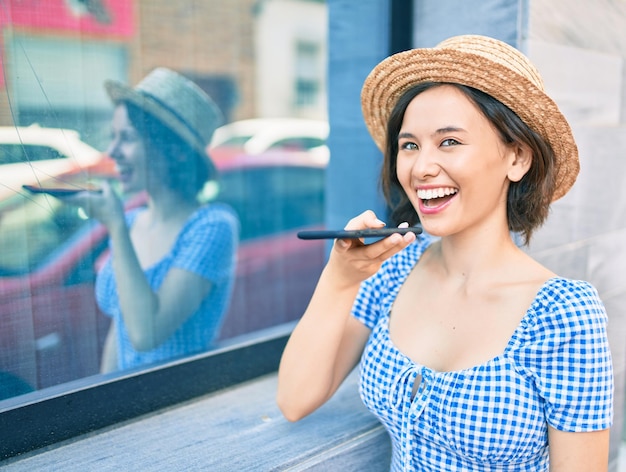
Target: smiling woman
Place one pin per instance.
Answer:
(470, 351)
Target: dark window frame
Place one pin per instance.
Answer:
(49, 416)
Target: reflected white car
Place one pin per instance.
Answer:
(259, 135)
(31, 154)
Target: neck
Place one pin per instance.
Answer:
(468, 258)
(168, 205)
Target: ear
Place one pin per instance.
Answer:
(521, 158)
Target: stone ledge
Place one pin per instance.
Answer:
(237, 429)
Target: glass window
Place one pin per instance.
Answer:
(273, 200)
(308, 73)
(58, 129)
(14, 153)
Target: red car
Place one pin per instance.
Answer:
(52, 331)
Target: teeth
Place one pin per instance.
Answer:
(435, 192)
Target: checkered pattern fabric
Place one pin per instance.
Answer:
(206, 246)
(555, 370)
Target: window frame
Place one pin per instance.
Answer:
(45, 417)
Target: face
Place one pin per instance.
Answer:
(128, 151)
(453, 165)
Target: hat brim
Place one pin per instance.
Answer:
(398, 73)
(119, 93)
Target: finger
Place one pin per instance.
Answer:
(367, 219)
(385, 248)
(344, 245)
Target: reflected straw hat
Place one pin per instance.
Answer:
(175, 101)
(483, 63)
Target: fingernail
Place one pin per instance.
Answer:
(381, 223)
(404, 224)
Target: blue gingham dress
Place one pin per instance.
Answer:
(206, 245)
(556, 369)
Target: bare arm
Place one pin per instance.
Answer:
(109, 352)
(578, 452)
(327, 342)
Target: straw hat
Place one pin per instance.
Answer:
(483, 63)
(175, 101)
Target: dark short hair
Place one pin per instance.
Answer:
(182, 168)
(528, 201)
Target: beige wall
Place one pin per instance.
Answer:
(580, 49)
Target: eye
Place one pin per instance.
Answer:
(408, 146)
(129, 135)
(450, 142)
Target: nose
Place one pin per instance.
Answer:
(425, 163)
(113, 149)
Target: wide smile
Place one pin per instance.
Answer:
(433, 200)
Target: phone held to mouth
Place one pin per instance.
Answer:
(357, 233)
(60, 191)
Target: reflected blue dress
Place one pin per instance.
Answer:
(555, 370)
(207, 246)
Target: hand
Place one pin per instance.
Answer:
(352, 261)
(104, 206)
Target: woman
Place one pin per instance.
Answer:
(167, 282)
(473, 355)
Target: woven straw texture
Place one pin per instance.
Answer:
(483, 63)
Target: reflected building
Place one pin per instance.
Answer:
(55, 60)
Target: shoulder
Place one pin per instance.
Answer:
(214, 215)
(570, 298)
(215, 212)
(566, 338)
(211, 226)
(566, 308)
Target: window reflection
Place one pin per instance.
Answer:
(52, 329)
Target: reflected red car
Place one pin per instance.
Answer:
(52, 331)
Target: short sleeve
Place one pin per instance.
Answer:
(566, 352)
(208, 244)
(367, 304)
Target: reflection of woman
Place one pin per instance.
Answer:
(473, 355)
(167, 282)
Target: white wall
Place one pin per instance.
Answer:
(280, 24)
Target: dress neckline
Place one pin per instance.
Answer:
(509, 345)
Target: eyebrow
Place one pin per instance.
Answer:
(444, 130)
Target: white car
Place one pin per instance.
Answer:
(259, 135)
(32, 154)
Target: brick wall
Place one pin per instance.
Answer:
(209, 37)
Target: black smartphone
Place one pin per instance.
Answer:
(357, 233)
(58, 192)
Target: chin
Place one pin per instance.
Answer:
(435, 230)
